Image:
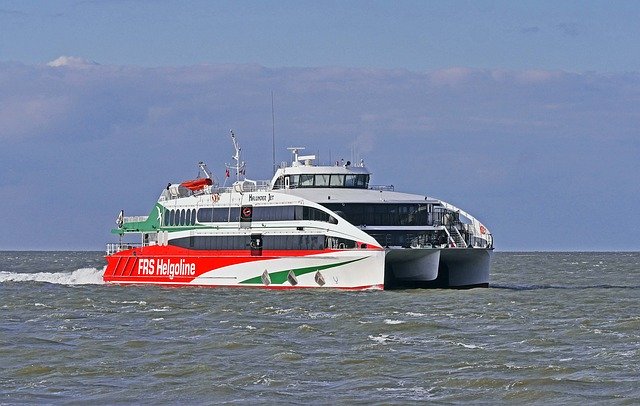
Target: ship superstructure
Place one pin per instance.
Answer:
(427, 241)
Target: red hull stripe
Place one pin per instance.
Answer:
(179, 266)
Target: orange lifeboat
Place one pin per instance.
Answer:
(197, 184)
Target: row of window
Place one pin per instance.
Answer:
(408, 239)
(386, 214)
(266, 242)
(267, 213)
(180, 217)
(370, 214)
(323, 180)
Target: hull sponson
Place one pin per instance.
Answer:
(455, 268)
(466, 267)
(170, 265)
(413, 264)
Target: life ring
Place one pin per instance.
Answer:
(215, 197)
(246, 212)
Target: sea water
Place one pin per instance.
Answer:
(552, 328)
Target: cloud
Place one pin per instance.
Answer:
(32, 116)
(451, 76)
(502, 144)
(537, 76)
(71, 61)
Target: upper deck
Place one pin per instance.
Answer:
(302, 173)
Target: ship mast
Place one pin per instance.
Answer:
(239, 166)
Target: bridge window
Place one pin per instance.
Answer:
(293, 180)
(278, 184)
(350, 180)
(336, 181)
(322, 180)
(306, 180)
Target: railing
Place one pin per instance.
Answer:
(135, 219)
(457, 237)
(388, 188)
(115, 247)
(258, 186)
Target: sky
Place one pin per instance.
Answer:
(524, 114)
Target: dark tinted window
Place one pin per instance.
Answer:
(265, 213)
(269, 242)
(350, 180)
(274, 213)
(218, 215)
(386, 214)
(339, 243)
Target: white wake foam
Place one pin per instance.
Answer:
(83, 276)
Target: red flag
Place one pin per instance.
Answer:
(226, 175)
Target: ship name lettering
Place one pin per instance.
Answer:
(146, 266)
(261, 198)
(172, 269)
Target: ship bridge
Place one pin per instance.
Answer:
(302, 173)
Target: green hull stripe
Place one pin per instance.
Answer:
(281, 276)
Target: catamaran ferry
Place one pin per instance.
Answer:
(311, 226)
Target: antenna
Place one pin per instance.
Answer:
(273, 134)
(239, 166)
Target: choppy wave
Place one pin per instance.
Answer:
(553, 328)
(570, 287)
(82, 276)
